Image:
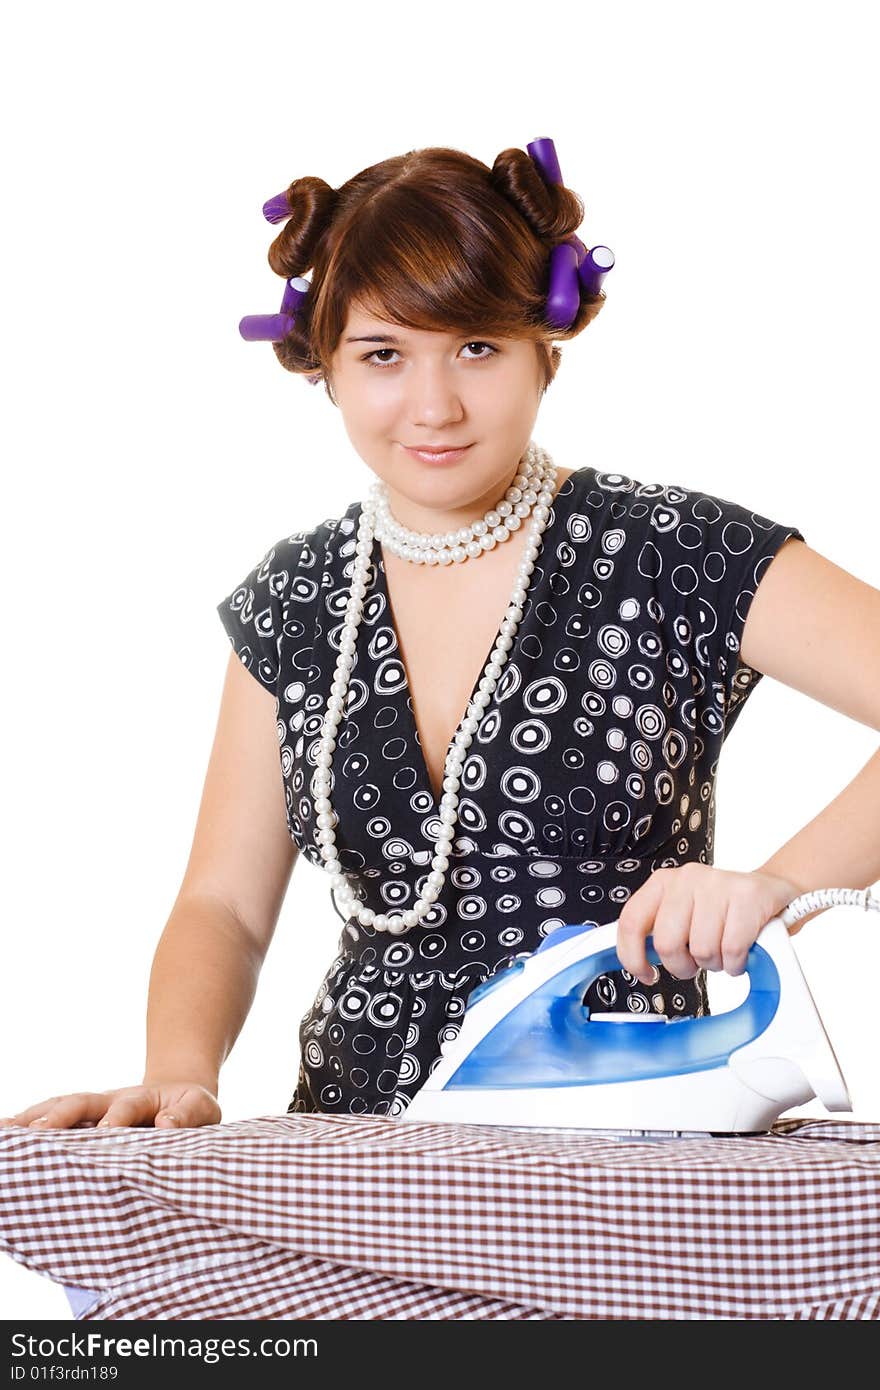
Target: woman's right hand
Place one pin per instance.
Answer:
(164, 1105)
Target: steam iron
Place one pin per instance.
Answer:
(530, 1053)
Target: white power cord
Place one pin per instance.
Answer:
(818, 898)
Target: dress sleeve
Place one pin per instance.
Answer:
(712, 554)
(253, 614)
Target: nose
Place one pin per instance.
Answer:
(433, 399)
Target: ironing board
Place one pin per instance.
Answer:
(323, 1216)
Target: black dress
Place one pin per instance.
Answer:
(593, 765)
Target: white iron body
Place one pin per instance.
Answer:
(529, 1053)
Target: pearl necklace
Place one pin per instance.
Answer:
(539, 467)
(496, 525)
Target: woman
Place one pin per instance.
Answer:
(468, 797)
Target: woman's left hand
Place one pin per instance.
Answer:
(701, 918)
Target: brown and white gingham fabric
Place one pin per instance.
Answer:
(323, 1216)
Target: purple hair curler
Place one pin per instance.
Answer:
(570, 261)
(594, 267)
(272, 328)
(265, 328)
(278, 208)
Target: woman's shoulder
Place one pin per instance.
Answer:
(309, 546)
(676, 517)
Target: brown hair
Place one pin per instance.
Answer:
(432, 239)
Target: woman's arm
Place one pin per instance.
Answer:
(816, 628)
(839, 848)
(208, 960)
(202, 984)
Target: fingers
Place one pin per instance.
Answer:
(184, 1108)
(61, 1112)
(194, 1106)
(676, 909)
(737, 940)
(699, 918)
(672, 930)
(170, 1119)
(662, 909)
(634, 925)
(167, 1107)
(707, 929)
(126, 1110)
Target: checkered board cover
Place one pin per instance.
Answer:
(338, 1217)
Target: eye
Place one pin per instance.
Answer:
(475, 342)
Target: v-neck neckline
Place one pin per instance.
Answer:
(423, 774)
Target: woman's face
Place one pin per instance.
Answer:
(428, 388)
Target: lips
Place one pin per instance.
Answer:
(446, 455)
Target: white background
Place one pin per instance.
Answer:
(725, 153)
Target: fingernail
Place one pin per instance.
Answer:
(102, 1123)
(172, 1119)
(43, 1120)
